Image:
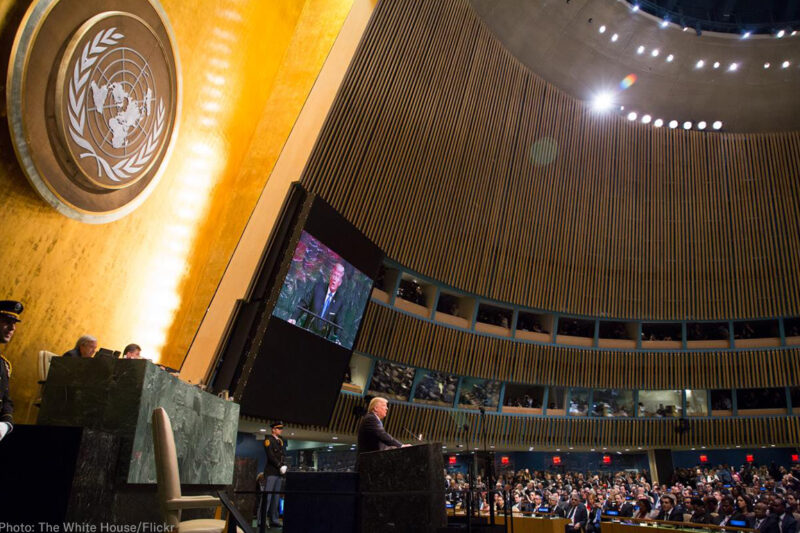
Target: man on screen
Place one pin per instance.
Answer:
(321, 305)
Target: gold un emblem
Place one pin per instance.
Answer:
(93, 108)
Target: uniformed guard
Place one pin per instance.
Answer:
(9, 316)
(274, 469)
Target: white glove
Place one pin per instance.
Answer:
(283, 469)
(5, 427)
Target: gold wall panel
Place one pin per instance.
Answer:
(468, 168)
(405, 339)
(148, 277)
(518, 432)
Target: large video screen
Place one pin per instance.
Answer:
(322, 293)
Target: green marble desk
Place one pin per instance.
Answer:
(118, 396)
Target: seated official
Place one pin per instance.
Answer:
(85, 346)
(700, 514)
(132, 351)
(577, 516)
(668, 510)
(371, 435)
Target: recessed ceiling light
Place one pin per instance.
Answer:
(658, 123)
(780, 34)
(635, 8)
(716, 64)
(794, 32)
(602, 29)
(670, 58)
(686, 28)
(785, 64)
(263, 430)
(655, 52)
(632, 115)
(700, 64)
(664, 23)
(640, 50)
(701, 125)
(746, 35)
(602, 102)
(766, 65)
(717, 124)
(614, 38)
(335, 437)
(646, 119)
(687, 125)
(673, 124)
(733, 66)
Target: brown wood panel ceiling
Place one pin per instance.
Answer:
(466, 167)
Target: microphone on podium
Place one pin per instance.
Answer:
(413, 435)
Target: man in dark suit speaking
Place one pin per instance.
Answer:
(321, 305)
(371, 435)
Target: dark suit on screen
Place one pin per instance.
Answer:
(372, 437)
(314, 301)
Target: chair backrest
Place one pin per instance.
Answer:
(167, 474)
(44, 363)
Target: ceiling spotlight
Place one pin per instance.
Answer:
(646, 119)
(700, 64)
(701, 125)
(655, 52)
(716, 64)
(658, 123)
(780, 34)
(687, 125)
(673, 124)
(733, 66)
(632, 115)
(602, 102)
(794, 32)
(785, 64)
(614, 38)
(640, 50)
(717, 124)
(686, 28)
(670, 58)
(602, 29)
(766, 65)
(746, 35)
(664, 23)
(635, 8)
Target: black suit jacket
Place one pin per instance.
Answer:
(581, 515)
(768, 525)
(789, 523)
(314, 301)
(371, 435)
(675, 515)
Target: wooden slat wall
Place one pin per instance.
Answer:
(433, 149)
(402, 338)
(508, 431)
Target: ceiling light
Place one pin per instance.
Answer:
(664, 23)
(335, 438)
(687, 125)
(654, 53)
(794, 32)
(263, 430)
(670, 58)
(658, 123)
(632, 115)
(701, 125)
(733, 66)
(700, 64)
(646, 119)
(686, 28)
(766, 65)
(746, 35)
(716, 64)
(785, 64)
(635, 8)
(614, 38)
(673, 124)
(602, 102)
(780, 34)
(602, 29)
(640, 50)
(717, 124)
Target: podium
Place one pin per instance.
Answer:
(402, 489)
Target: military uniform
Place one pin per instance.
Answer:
(275, 450)
(10, 311)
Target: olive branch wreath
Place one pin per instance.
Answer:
(129, 166)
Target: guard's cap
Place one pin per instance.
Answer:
(277, 424)
(11, 309)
